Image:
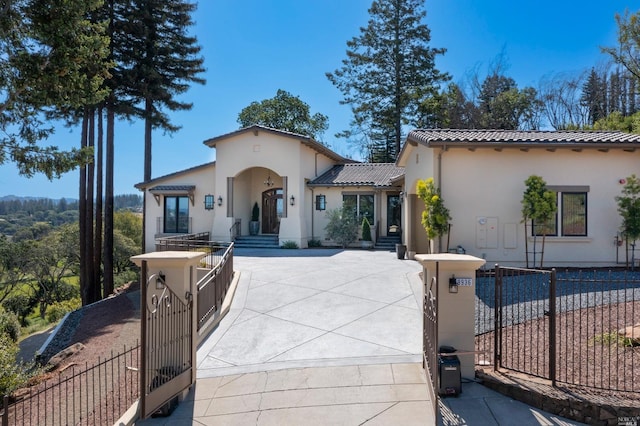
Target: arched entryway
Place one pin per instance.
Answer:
(272, 209)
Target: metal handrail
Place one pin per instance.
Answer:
(234, 231)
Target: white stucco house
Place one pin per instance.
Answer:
(481, 174)
(293, 179)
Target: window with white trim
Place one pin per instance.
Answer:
(570, 219)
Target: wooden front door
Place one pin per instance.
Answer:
(272, 208)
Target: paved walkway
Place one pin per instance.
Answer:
(327, 337)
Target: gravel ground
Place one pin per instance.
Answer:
(591, 308)
(526, 297)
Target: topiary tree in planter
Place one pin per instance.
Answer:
(367, 241)
(539, 206)
(254, 225)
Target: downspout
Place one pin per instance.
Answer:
(313, 197)
(439, 166)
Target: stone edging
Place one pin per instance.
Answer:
(593, 410)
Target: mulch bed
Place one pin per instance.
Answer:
(105, 328)
(597, 376)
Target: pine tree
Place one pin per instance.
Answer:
(389, 71)
(593, 94)
(161, 59)
(52, 63)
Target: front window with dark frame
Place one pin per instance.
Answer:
(362, 205)
(176, 215)
(572, 211)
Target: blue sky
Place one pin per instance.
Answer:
(253, 48)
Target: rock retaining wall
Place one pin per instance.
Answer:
(591, 409)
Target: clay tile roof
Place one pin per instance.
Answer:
(359, 174)
(570, 138)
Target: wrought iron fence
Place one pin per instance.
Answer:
(594, 308)
(96, 394)
(213, 286)
(183, 242)
(168, 353)
(430, 337)
(566, 326)
(101, 393)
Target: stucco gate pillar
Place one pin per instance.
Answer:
(456, 301)
(169, 323)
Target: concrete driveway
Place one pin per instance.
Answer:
(311, 308)
(328, 337)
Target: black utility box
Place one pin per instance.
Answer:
(450, 374)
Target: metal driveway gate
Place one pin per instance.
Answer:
(167, 361)
(430, 337)
(525, 321)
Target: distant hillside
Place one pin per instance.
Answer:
(20, 198)
(20, 214)
(120, 202)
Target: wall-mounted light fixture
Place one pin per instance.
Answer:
(268, 182)
(208, 202)
(453, 284)
(292, 200)
(160, 281)
(219, 200)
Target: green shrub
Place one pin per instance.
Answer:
(21, 305)
(58, 310)
(342, 227)
(289, 245)
(9, 325)
(125, 277)
(13, 375)
(314, 243)
(65, 291)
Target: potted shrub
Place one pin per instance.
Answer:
(254, 225)
(367, 243)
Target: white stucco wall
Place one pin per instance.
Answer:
(486, 183)
(249, 158)
(334, 201)
(201, 219)
(420, 163)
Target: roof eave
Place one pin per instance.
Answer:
(141, 186)
(539, 145)
(305, 140)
